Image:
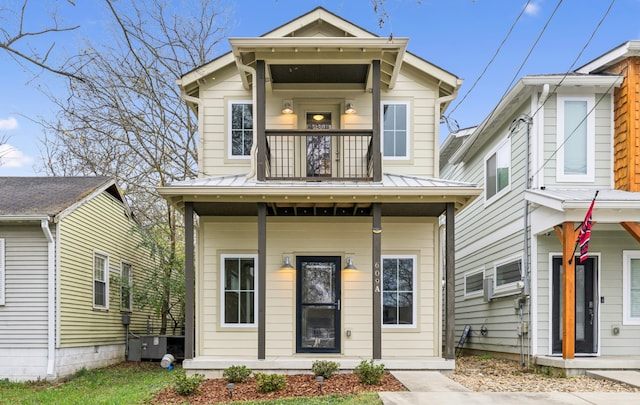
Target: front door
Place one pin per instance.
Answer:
(321, 151)
(586, 306)
(318, 304)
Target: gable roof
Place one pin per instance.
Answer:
(299, 35)
(47, 197)
(612, 57)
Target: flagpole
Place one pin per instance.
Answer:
(581, 225)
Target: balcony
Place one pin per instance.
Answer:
(326, 155)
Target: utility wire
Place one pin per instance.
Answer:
(504, 40)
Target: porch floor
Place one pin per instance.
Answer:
(580, 365)
(212, 367)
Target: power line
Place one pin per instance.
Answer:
(504, 40)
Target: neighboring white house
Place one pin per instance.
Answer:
(68, 263)
(541, 155)
(318, 202)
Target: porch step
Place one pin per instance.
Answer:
(629, 377)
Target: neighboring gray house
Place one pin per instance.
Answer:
(68, 263)
(540, 156)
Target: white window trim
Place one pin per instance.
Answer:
(473, 294)
(3, 270)
(122, 263)
(505, 142)
(589, 177)
(255, 289)
(106, 281)
(414, 314)
(506, 289)
(408, 140)
(626, 287)
(230, 154)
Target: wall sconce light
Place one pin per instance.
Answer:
(287, 107)
(350, 265)
(350, 108)
(286, 265)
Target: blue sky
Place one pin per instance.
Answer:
(460, 36)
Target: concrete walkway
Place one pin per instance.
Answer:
(431, 387)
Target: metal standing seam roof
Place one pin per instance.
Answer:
(571, 198)
(45, 196)
(389, 181)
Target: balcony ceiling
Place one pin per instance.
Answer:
(324, 60)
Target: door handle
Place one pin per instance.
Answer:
(338, 304)
(591, 315)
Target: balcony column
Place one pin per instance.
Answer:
(377, 280)
(262, 279)
(375, 125)
(450, 283)
(259, 121)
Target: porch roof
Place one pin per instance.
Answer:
(568, 199)
(402, 195)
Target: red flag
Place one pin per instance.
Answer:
(585, 233)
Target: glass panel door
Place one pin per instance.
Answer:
(318, 309)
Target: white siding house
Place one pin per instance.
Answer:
(317, 207)
(542, 156)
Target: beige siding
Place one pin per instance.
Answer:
(98, 225)
(298, 236)
(23, 318)
(418, 92)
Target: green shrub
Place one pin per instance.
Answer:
(369, 372)
(185, 386)
(237, 374)
(270, 382)
(324, 368)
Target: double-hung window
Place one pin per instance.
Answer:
(240, 129)
(631, 285)
(473, 283)
(498, 170)
(239, 290)
(399, 290)
(575, 139)
(395, 130)
(100, 280)
(507, 274)
(126, 286)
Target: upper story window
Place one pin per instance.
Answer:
(240, 129)
(474, 283)
(126, 286)
(631, 285)
(575, 139)
(497, 166)
(398, 291)
(507, 274)
(100, 280)
(395, 130)
(239, 290)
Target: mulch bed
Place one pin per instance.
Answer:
(214, 391)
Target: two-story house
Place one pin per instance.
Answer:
(70, 264)
(316, 211)
(551, 144)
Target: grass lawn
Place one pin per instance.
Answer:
(131, 383)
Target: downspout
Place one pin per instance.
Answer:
(51, 293)
(248, 69)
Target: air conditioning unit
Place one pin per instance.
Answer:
(487, 288)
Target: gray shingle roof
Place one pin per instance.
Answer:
(42, 196)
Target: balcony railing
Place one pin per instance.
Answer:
(319, 155)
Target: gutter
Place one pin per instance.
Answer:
(51, 300)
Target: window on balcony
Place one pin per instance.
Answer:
(240, 129)
(395, 130)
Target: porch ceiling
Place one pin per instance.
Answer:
(320, 54)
